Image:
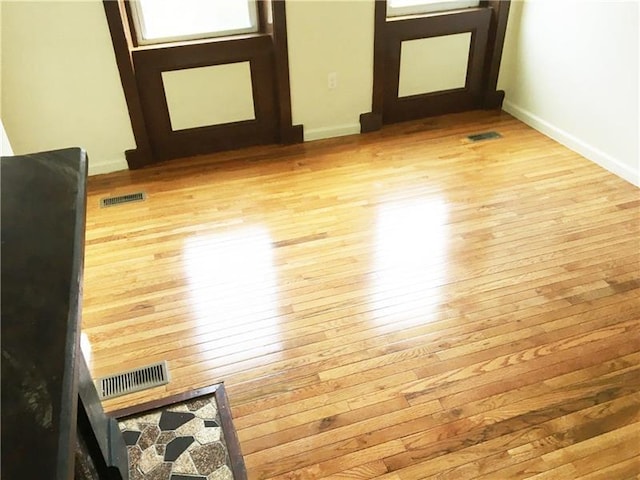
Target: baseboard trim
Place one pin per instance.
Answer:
(292, 134)
(370, 122)
(330, 132)
(113, 165)
(493, 100)
(588, 151)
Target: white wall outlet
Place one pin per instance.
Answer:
(332, 80)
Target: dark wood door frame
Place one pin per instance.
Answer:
(493, 98)
(487, 24)
(167, 143)
(141, 75)
(475, 21)
(122, 40)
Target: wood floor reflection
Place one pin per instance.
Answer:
(400, 305)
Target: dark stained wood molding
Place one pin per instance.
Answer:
(231, 436)
(167, 143)
(132, 36)
(473, 20)
(379, 41)
(138, 158)
(292, 134)
(264, 17)
(100, 432)
(289, 133)
(499, 15)
(121, 39)
(372, 121)
(226, 418)
(141, 70)
(215, 51)
(437, 24)
(163, 402)
(487, 24)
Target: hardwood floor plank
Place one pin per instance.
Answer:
(482, 427)
(624, 469)
(346, 447)
(539, 464)
(349, 461)
(399, 305)
(622, 458)
(563, 471)
(581, 364)
(299, 400)
(517, 454)
(310, 422)
(578, 452)
(515, 364)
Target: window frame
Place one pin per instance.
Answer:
(137, 23)
(140, 66)
(480, 90)
(433, 6)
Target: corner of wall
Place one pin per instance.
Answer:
(603, 159)
(107, 166)
(570, 70)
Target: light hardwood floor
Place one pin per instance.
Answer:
(398, 305)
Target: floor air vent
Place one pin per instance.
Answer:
(129, 198)
(484, 136)
(133, 380)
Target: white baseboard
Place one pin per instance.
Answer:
(588, 151)
(330, 132)
(107, 166)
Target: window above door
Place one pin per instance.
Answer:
(397, 8)
(163, 21)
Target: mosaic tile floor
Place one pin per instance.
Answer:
(183, 441)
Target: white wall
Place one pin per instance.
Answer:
(570, 70)
(61, 86)
(60, 83)
(0, 59)
(328, 36)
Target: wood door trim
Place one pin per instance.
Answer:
(289, 133)
(168, 143)
(383, 73)
(372, 121)
(475, 21)
(272, 44)
(493, 98)
(122, 44)
(436, 25)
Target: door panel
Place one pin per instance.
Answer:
(437, 26)
(155, 66)
(431, 95)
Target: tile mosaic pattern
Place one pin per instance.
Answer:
(183, 441)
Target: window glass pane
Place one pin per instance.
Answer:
(184, 19)
(409, 7)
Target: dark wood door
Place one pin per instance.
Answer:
(167, 143)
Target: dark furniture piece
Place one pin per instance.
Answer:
(51, 413)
